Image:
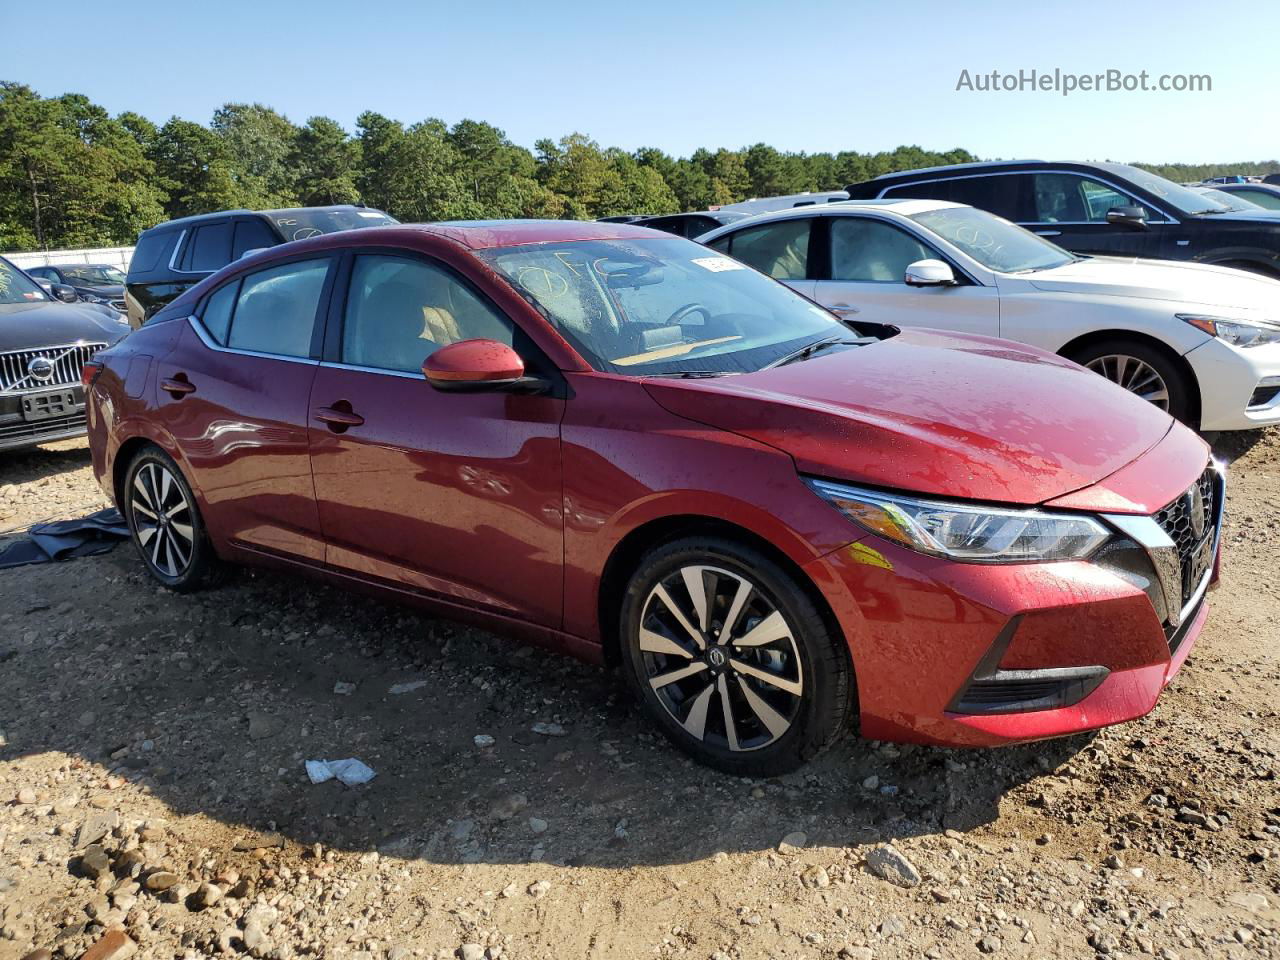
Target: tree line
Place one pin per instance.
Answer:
(73, 175)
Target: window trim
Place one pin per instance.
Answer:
(1169, 219)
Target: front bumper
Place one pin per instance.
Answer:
(1229, 377)
(961, 654)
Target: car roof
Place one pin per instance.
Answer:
(239, 212)
(486, 234)
(902, 207)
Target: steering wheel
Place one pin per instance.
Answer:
(686, 310)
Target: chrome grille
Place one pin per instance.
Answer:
(1190, 523)
(67, 359)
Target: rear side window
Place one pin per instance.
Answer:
(276, 309)
(1000, 194)
(251, 235)
(209, 248)
(146, 255)
(779, 250)
(217, 311)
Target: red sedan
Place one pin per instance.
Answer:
(619, 444)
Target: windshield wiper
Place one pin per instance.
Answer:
(804, 353)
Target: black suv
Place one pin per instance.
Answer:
(173, 256)
(1098, 208)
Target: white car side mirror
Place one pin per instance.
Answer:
(929, 273)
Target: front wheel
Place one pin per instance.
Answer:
(732, 659)
(1143, 370)
(165, 521)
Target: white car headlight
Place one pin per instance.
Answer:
(966, 532)
(1238, 333)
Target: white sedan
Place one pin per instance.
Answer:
(1201, 342)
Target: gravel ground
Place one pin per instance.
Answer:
(153, 798)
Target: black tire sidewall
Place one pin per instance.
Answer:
(202, 558)
(1174, 378)
(826, 703)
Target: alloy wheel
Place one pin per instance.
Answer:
(1136, 376)
(162, 519)
(720, 657)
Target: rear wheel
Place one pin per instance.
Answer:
(732, 659)
(1143, 370)
(165, 522)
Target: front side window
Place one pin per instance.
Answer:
(872, 250)
(401, 310)
(663, 306)
(1070, 198)
(276, 310)
(995, 243)
(779, 250)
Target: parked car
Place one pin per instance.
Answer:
(173, 256)
(690, 224)
(1263, 194)
(92, 282)
(1101, 208)
(1199, 342)
(1234, 178)
(620, 444)
(44, 344)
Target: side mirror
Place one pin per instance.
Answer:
(1133, 217)
(473, 365)
(929, 273)
(65, 293)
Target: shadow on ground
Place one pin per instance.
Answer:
(214, 701)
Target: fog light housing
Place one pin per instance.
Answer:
(1265, 392)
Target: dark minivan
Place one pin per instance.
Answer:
(1098, 208)
(172, 256)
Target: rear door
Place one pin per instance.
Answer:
(780, 249)
(455, 495)
(233, 394)
(868, 258)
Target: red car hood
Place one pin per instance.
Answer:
(935, 413)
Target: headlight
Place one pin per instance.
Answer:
(967, 532)
(1238, 333)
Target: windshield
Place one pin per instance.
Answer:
(1228, 201)
(93, 276)
(16, 286)
(662, 306)
(313, 221)
(995, 243)
(1183, 199)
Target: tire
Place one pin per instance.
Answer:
(793, 699)
(176, 551)
(1130, 363)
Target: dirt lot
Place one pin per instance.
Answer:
(153, 789)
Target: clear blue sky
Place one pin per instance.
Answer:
(798, 74)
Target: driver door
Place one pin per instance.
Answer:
(453, 495)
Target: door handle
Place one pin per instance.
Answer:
(177, 386)
(1048, 233)
(842, 308)
(338, 418)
